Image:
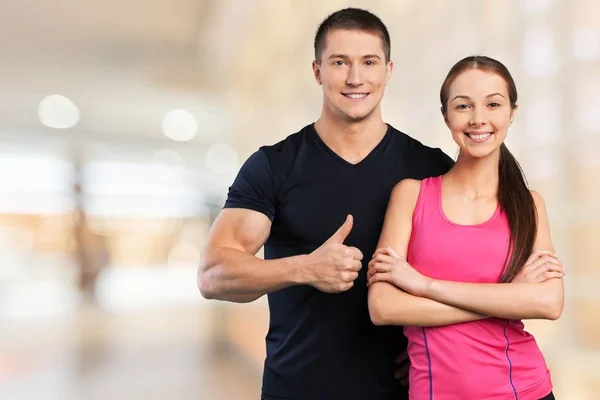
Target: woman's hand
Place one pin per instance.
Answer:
(541, 266)
(388, 266)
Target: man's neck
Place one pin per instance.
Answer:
(352, 141)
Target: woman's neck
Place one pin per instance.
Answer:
(475, 177)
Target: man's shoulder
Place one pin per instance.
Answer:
(288, 145)
(426, 160)
(413, 144)
(279, 157)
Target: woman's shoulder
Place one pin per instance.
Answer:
(538, 201)
(406, 191)
(408, 186)
(537, 197)
(411, 187)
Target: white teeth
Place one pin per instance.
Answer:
(356, 95)
(479, 137)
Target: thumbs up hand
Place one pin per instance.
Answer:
(334, 267)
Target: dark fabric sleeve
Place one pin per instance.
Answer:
(253, 187)
(444, 163)
(431, 162)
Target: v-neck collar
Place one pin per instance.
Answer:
(371, 154)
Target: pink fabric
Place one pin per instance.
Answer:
(489, 359)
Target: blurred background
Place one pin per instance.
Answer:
(122, 124)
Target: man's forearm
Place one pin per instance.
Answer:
(389, 305)
(234, 275)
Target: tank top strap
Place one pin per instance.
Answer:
(428, 199)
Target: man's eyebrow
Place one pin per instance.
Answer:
(345, 57)
(338, 56)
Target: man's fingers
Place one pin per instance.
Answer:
(355, 266)
(402, 372)
(402, 357)
(342, 233)
(350, 276)
(347, 286)
(356, 253)
(404, 381)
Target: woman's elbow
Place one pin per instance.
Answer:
(376, 312)
(554, 306)
(377, 317)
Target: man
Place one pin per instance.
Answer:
(317, 201)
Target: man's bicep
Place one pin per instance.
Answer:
(240, 229)
(245, 221)
(254, 187)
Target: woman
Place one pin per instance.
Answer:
(466, 241)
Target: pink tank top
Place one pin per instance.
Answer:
(491, 359)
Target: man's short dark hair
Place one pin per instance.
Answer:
(352, 19)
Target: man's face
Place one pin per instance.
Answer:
(353, 72)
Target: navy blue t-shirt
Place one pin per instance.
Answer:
(321, 345)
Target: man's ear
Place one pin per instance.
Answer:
(317, 71)
(388, 71)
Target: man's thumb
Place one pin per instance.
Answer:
(342, 233)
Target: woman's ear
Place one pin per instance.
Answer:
(445, 117)
(513, 113)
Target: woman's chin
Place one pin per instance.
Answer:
(478, 153)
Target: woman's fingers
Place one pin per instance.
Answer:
(380, 277)
(387, 251)
(378, 268)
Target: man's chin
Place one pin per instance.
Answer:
(357, 117)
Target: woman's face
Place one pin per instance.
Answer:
(479, 112)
